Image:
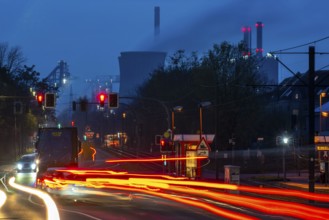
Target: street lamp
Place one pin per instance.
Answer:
(285, 141)
(178, 152)
(175, 109)
(201, 106)
(322, 95)
(123, 136)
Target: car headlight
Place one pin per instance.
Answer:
(33, 166)
(19, 166)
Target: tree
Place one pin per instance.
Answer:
(223, 74)
(16, 82)
(11, 58)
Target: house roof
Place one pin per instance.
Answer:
(299, 84)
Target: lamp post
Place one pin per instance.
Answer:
(178, 151)
(123, 136)
(201, 106)
(175, 109)
(285, 143)
(322, 95)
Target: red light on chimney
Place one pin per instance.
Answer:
(245, 29)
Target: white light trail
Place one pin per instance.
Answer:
(52, 211)
(3, 198)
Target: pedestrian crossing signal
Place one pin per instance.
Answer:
(166, 145)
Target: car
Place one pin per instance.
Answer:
(27, 163)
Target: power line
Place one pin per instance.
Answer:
(302, 45)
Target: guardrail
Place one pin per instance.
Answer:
(3, 181)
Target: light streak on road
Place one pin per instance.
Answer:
(264, 205)
(90, 172)
(94, 153)
(174, 180)
(86, 172)
(52, 211)
(3, 198)
(210, 208)
(80, 153)
(187, 183)
(160, 185)
(286, 192)
(154, 159)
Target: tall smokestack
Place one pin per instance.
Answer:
(156, 22)
(247, 40)
(259, 49)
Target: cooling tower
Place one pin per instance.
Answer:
(136, 67)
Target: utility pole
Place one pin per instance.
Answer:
(217, 129)
(311, 74)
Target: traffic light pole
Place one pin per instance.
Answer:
(311, 75)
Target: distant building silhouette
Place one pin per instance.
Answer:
(136, 67)
(268, 66)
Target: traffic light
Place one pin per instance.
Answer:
(113, 100)
(50, 100)
(40, 99)
(74, 105)
(101, 99)
(18, 108)
(83, 105)
(166, 145)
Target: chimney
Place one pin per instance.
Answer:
(259, 48)
(246, 30)
(156, 22)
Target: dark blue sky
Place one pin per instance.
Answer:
(90, 34)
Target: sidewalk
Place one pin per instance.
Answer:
(7, 168)
(294, 180)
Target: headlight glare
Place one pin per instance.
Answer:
(33, 166)
(19, 166)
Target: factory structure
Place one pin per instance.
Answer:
(136, 66)
(268, 65)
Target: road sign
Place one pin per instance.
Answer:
(322, 147)
(203, 148)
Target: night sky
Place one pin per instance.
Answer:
(90, 34)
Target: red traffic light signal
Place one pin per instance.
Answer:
(101, 99)
(40, 99)
(166, 145)
(113, 100)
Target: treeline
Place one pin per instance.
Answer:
(19, 113)
(241, 104)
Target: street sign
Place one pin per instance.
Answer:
(322, 147)
(203, 148)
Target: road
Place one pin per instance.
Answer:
(118, 205)
(127, 196)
